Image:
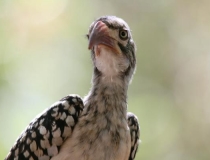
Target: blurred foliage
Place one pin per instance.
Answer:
(44, 56)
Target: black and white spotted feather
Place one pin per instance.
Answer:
(46, 133)
(135, 134)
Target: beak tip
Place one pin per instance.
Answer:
(100, 35)
(90, 46)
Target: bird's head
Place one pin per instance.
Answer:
(112, 47)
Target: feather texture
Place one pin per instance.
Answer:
(47, 132)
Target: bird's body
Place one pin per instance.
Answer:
(102, 131)
(99, 128)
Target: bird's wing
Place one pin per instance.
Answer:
(135, 134)
(46, 133)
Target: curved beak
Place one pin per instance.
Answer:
(100, 36)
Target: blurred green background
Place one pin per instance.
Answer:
(44, 56)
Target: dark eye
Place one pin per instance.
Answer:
(123, 34)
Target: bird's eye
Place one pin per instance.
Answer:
(123, 34)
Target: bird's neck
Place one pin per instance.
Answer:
(108, 93)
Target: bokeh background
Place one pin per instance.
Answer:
(44, 56)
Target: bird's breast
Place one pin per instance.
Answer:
(98, 136)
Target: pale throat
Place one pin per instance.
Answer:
(111, 66)
(109, 62)
(109, 88)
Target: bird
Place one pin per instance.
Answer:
(97, 126)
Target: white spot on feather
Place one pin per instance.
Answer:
(33, 135)
(70, 121)
(41, 121)
(26, 153)
(16, 151)
(42, 130)
(45, 143)
(74, 100)
(52, 151)
(65, 104)
(63, 116)
(38, 152)
(72, 110)
(33, 146)
(28, 140)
